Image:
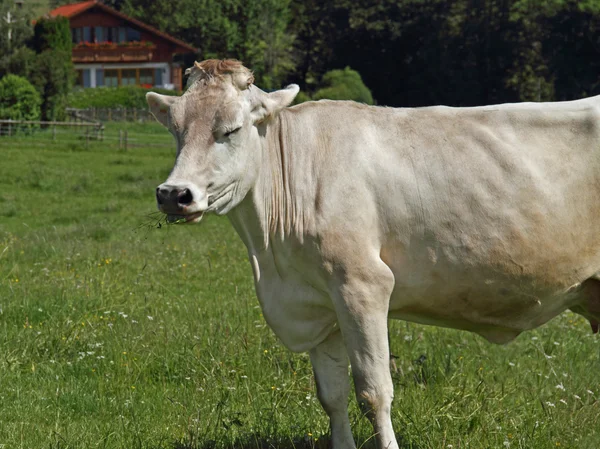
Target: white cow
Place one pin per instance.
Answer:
(485, 219)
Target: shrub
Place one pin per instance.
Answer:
(21, 62)
(343, 84)
(19, 100)
(113, 97)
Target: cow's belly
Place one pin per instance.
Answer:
(496, 309)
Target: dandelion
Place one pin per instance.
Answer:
(265, 351)
(273, 387)
(133, 387)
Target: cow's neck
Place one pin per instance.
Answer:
(281, 203)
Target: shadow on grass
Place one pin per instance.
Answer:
(306, 442)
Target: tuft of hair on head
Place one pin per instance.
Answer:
(205, 71)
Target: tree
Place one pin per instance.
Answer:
(53, 75)
(52, 33)
(256, 32)
(15, 26)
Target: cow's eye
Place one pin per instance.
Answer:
(233, 131)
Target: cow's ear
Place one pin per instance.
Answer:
(159, 105)
(267, 104)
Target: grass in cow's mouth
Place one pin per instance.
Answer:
(116, 334)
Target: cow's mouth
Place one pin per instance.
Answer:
(190, 218)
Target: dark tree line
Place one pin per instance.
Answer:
(408, 52)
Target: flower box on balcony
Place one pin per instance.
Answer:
(113, 52)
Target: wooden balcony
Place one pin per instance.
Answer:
(117, 53)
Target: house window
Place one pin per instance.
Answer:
(133, 35)
(87, 34)
(83, 78)
(99, 34)
(128, 77)
(146, 77)
(158, 73)
(111, 78)
(99, 77)
(77, 35)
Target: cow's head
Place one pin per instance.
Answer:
(217, 126)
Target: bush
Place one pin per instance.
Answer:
(113, 97)
(19, 100)
(344, 84)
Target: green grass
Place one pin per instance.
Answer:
(115, 333)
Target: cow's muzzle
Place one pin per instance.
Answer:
(181, 202)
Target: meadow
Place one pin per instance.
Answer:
(117, 331)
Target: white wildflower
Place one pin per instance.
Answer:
(550, 404)
(560, 387)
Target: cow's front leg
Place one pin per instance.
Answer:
(362, 309)
(330, 364)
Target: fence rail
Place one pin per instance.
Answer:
(111, 114)
(42, 133)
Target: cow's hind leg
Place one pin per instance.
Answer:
(362, 309)
(330, 365)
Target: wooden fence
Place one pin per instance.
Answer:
(111, 114)
(80, 134)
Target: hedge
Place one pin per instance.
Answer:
(113, 97)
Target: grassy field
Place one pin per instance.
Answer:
(115, 333)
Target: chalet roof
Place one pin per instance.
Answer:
(75, 9)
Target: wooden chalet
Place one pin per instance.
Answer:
(113, 49)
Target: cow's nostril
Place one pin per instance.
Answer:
(185, 197)
(158, 196)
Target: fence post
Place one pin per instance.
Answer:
(120, 138)
(54, 132)
(9, 128)
(87, 137)
(125, 140)
(110, 115)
